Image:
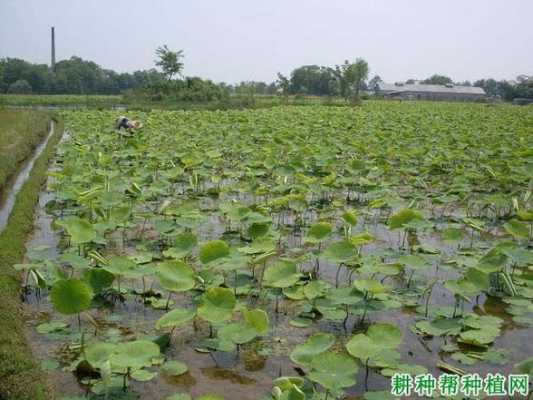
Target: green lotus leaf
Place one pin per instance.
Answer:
(281, 275)
(174, 368)
(98, 279)
(71, 296)
(134, 355)
(333, 371)
(414, 261)
(238, 333)
(217, 305)
(99, 352)
(52, 326)
(318, 232)
(184, 243)
(403, 217)
(314, 345)
(526, 366)
(517, 229)
(121, 266)
(370, 286)
(316, 289)
(213, 250)
(350, 217)
(174, 318)
(380, 337)
(75, 261)
(479, 337)
(142, 375)
(175, 276)
(258, 320)
(340, 252)
(80, 230)
(286, 382)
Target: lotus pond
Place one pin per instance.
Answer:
(288, 253)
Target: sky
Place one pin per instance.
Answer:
(236, 40)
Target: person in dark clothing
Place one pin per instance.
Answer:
(127, 124)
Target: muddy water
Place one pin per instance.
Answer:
(6, 206)
(248, 374)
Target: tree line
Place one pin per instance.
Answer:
(349, 79)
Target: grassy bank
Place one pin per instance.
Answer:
(20, 376)
(20, 132)
(59, 100)
(135, 102)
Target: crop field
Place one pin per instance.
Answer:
(285, 253)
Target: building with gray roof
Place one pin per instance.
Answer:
(419, 91)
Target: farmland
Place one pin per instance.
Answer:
(286, 253)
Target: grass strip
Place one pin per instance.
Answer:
(20, 376)
(20, 132)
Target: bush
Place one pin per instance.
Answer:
(20, 87)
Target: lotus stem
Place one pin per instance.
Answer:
(337, 275)
(168, 300)
(366, 374)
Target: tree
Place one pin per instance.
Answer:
(284, 84)
(438, 80)
(169, 61)
(352, 77)
(20, 87)
(373, 84)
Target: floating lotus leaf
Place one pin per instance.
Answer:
(174, 318)
(238, 333)
(333, 371)
(316, 289)
(142, 375)
(479, 337)
(71, 296)
(217, 305)
(175, 276)
(99, 352)
(134, 355)
(380, 337)
(314, 345)
(174, 368)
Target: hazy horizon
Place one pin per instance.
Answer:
(243, 40)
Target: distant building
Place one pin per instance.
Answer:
(419, 91)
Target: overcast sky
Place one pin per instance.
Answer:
(236, 40)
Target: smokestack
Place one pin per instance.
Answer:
(53, 63)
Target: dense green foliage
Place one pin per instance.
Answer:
(319, 224)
